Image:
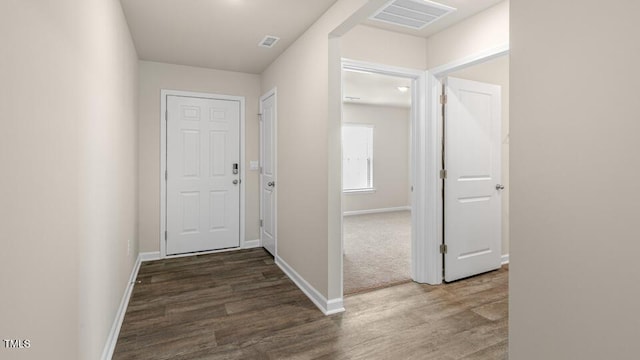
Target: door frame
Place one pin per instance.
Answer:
(434, 119)
(273, 92)
(417, 176)
(163, 166)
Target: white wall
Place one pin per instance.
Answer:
(575, 129)
(497, 72)
(301, 75)
(157, 76)
(69, 185)
(485, 30)
(390, 156)
(375, 45)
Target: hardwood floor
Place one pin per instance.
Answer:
(239, 305)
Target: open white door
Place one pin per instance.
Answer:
(268, 172)
(203, 190)
(472, 204)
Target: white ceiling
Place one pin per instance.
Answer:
(375, 89)
(224, 34)
(218, 34)
(465, 8)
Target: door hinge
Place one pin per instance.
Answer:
(166, 175)
(443, 248)
(259, 117)
(443, 99)
(166, 115)
(261, 222)
(443, 174)
(165, 235)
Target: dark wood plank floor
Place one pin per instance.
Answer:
(239, 305)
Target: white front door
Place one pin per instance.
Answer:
(472, 213)
(203, 190)
(267, 175)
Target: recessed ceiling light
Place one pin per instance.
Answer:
(403, 88)
(268, 41)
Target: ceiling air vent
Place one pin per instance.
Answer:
(414, 14)
(269, 41)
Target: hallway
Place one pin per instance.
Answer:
(250, 309)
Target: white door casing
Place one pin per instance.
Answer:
(472, 204)
(422, 153)
(268, 189)
(203, 174)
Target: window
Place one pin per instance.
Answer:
(357, 158)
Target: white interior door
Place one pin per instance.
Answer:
(203, 190)
(472, 212)
(267, 174)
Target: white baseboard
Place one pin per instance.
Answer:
(505, 259)
(328, 307)
(376, 211)
(110, 346)
(149, 256)
(249, 244)
(334, 306)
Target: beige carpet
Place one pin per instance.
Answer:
(377, 250)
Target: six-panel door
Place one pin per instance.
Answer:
(203, 179)
(267, 176)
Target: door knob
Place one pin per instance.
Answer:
(271, 183)
(235, 182)
(499, 187)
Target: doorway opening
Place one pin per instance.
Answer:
(376, 145)
(381, 112)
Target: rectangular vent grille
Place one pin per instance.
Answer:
(414, 14)
(269, 41)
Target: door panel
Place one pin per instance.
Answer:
(267, 176)
(473, 162)
(203, 203)
(218, 209)
(268, 215)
